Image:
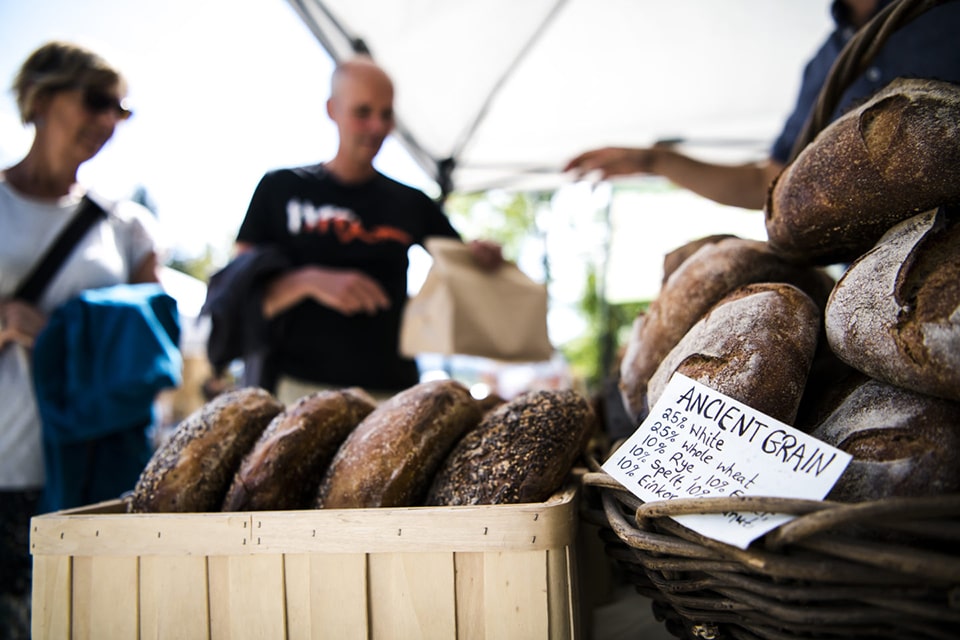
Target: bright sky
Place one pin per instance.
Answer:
(223, 90)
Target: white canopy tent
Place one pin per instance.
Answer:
(500, 93)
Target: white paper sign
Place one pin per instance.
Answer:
(697, 443)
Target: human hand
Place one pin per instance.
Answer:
(612, 161)
(20, 323)
(346, 290)
(488, 255)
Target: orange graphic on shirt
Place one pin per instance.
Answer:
(351, 230)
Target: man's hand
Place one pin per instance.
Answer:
(488, 255)
(344, 290)
(613, 161)
(347, 291)
(20, 323)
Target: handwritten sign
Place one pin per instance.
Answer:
(699, 443)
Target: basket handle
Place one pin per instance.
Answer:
(853, 60)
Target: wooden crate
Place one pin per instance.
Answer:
(505, 571)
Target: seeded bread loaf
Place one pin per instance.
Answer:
(712, 272)
(284, 467)
(892, 158)
(756, 345)
(895, 313)
(903, 443)
(520, 452)
(192, 471)
(390, 458)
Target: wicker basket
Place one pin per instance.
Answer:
(883, 569)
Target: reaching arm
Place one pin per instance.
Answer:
(743, 185)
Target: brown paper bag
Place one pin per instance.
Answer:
(462, 309)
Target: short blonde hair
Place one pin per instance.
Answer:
(57, 66)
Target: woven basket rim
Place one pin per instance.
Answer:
(843, 569)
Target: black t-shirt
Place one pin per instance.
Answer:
(317, 220)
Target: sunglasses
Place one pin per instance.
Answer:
(97, 101)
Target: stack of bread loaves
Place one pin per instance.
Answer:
(869, 363)
(432, 444)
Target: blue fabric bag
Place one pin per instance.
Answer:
(97, 367)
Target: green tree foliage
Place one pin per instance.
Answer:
(200, 267)
(511, 220)
(507, 218)
(595, 355)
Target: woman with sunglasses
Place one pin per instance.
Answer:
(74, 100)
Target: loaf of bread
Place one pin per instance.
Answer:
(705, 277)
(903, 443)
(895, 313)
(674, 258)
(895, 156)
(193, 469)
(756, 345)
(390, 458)
(284, 467)
(830, 378)
(520, 452)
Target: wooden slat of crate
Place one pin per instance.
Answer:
(563, 579)
(412, 595)
(119, 534)
(246, 597)
(527, 527)
(469, 593)
(327, 595)
(413, 529)
(51, 606)
(515, 592)
(173, 597)
(104, 595)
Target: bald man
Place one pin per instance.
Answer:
(334, 316)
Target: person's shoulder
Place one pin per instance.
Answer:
(398, 187)
(312, 171)
(297, 173)
(122, 211)
(129, 218)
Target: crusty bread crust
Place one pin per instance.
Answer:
(895, 313)
(903, 443)
(521, 452)
(895, 156)
(674, 258)
(756, 346)
(193, 469)
(390, 458)
(704, 278)
(284, 467)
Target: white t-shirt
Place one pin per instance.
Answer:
(107, 254)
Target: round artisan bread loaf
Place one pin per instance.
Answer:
(903, 443)
(284, 467)
(390, 458)
(702, 280)
(755, 345)
(192, 471)
(674, 258)
(895, 313)
(893, 157)
(520, 452)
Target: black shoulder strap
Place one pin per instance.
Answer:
(32, 286)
